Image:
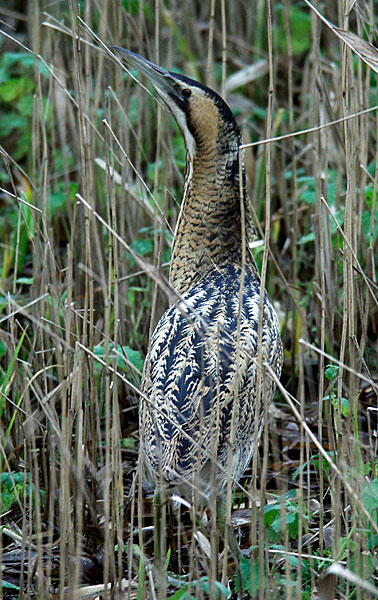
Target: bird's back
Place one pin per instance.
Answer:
(201, 375)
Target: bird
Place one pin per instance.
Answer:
(199, 421)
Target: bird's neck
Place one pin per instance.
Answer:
(209, 228)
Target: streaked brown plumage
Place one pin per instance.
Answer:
(191, 382)
(200, 375)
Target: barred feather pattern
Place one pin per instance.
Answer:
(198, 380)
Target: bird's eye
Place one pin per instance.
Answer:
(186, 92)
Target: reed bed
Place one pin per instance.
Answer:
(91, 178)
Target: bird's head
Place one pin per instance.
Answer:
(199, 111)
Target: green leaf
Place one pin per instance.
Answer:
(308, 197)
(19, 477)
(371, 495)
(128, 443)
(363, 564)
(270, 512)
(366, 219)
(250, 577)
(23, 145)
(291, 494)
(309, 237)
(8, 374)
(7, 500)
(15, 88)
(26, 105)
(25, 58)
(294, 561)
(4, 75)
(25, 280)
(276, 524)
(134, 356)
(281, 515)
(372, 541)
(300, 30)
(58, 201)
(331, 372)
(344, 404)
(143, 247)
(292, 520)
(166, 257)
(345, 407)
(204, 584)
(9, 586)
(180, 595)
(10, 122)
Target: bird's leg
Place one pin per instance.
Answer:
(214, 540)
(221, 523)
(159, 541)
(157, 528)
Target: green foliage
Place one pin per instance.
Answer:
(307, 195)
(371, 468)
(143, 247)
(144, 244)
(250, 577)
(6, 585)
(132, 7)
(254, 578)
(17, 90)
(15, 487)
(124, 355)
(179, 156)
(3, 304)
(331, 373)
(6, 376)
(16, 100)
(139, 289)
(363, 564)
(217, 590)
(16, 228)
(344, 404)
(128, 443)
(58, 198)
(300, 29)
(283, 515)
(318, 462)
(371, 496)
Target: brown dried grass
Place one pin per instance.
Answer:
(98, 130)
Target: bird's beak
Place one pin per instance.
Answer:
(162, 80)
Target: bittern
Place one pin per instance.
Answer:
(199, 421)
